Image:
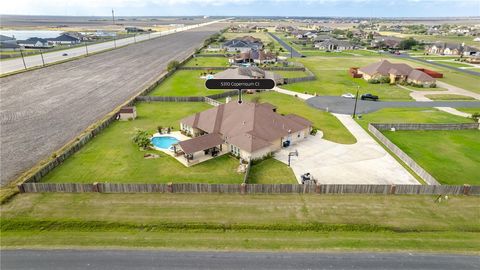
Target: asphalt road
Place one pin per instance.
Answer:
(345, 105)
(471, 72)
(43, 109)
(16, 64)
(118, 260)
(289, 48)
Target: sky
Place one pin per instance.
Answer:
(313, 8)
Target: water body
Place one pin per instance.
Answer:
(25, 34)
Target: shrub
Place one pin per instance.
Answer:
(373, 81)
(475, 116)
(141, 138)
(384, 79)
(314, 131)
(172, 65)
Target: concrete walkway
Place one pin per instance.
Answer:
(292, 93)
(364, 162)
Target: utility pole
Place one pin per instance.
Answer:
(355, 106)
(115, 41)
(135, 38)
(86, 48)
(23, 59)
(41, 54)
(113, 16)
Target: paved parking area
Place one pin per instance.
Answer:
(364, 162)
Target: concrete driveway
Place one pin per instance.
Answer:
(364, 162)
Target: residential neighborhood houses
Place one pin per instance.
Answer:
(333, 44)
(444, 48)
(243, 44)
(253, 56)
(250, 72)
(396, 73)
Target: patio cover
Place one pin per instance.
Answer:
(201, 143)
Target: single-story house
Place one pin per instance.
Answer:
(5, 46)
(397, 72)
(251, 72)
(333, 44)
(248, 130)
(35, 42)
(7, 39)
(65, 39)
(243, 44)
(133, 29)
(127, 113)
(444, 48)
(385, 42)
(253, 56)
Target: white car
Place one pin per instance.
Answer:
(348, 95)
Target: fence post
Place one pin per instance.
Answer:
(243, 188)
(318, 188)
(95, 187)
(393, 188)
(21, 188)
(170, 187)
(466, 189)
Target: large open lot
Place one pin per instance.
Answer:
(43, 109)
(235, 222)
(452, 157)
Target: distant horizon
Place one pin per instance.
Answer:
(256, 16)
(248, 8)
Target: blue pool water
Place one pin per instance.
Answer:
(164, 142)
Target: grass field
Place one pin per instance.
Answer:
(332, 128)
(433, 38)
(469, 110)
(184, 83)
(291, 74)
(236, 222)
(333, 79)
(452, 157)
(112, 157)
(271, 171)
(208, 62)
(410, 115)
(448, 97)
(453, 64)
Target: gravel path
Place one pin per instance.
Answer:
(41, 110)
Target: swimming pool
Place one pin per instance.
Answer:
(164, 142)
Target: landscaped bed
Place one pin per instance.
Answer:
(452, 157)
(112, 156)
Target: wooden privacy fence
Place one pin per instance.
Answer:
(186, 99)
(249, 188)
(415, 126)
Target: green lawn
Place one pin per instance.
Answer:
(112, 157)
(208, 62)
(332, 128)
(448, 97)
(236, 222)
(333, 79)
(291, 74)
(453, 64)
(469, 110)
(452, 157)
(184, 83)
(433, 38)
(410, 115)
(271, 171)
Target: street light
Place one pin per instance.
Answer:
(292, 154)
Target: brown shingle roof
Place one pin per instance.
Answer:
(418, 75)
(384, 67)
(248, 125)
(201, 143)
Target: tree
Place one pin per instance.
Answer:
(349, 34)
(221, 39)
(172, 65)
(370, 36)
(407, 44)
(141, 138)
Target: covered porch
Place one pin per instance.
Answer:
(200, 149)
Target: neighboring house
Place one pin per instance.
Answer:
(444, 48)
(65, 39)
(248, 130)
(7, 39)
(127, 113)
(321, 38)
(397, 72)
(385, 42)
(333, 44)
(253, 56)
(282, 28)
(4, 46)
(133, 30)
(477, 39)
(474, 59)
(251, 72)
(35, 42)
(243, 44)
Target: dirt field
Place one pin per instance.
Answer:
(42, 110)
